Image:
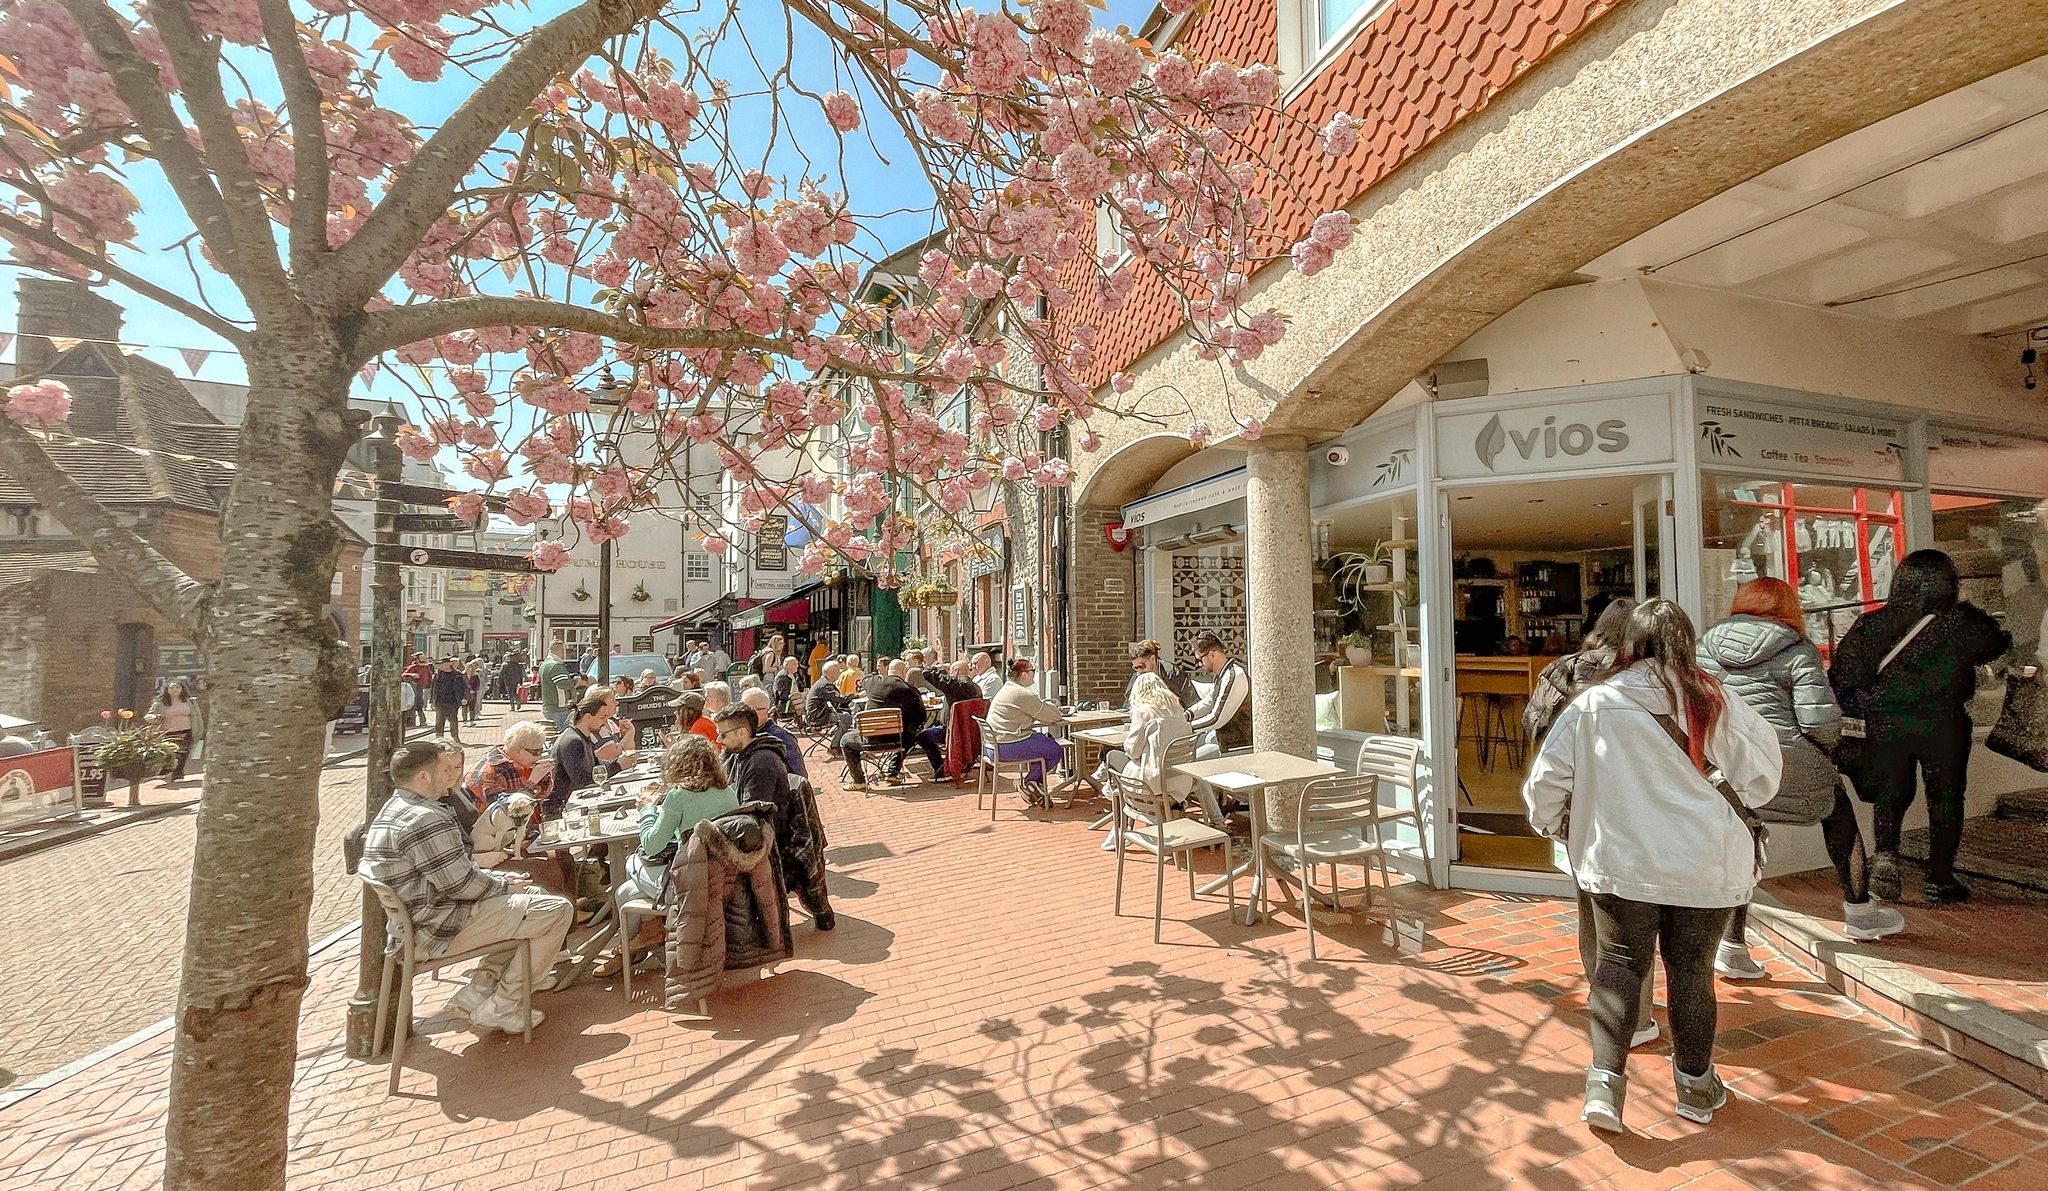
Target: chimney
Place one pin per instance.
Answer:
(46, 306)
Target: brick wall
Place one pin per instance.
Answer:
(1410, 74)
(1101, 625)
(22, 637)
(81, 631)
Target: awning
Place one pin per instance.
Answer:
(760, 614)
(700, 612)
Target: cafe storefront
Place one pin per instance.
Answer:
(1465, 543)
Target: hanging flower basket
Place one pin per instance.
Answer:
(640, 593)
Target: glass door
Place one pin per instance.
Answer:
(1653, 524)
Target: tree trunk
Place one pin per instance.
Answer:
(275, 675)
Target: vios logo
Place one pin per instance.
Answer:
(1550, 439)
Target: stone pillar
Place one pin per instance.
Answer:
(1279, 601)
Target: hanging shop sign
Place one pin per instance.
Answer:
(1118, 534)
(1983, 461)
(1553, 437)
(1741, 434)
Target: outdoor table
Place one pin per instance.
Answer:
(1105, 739)
(1253, 777)
(1071, 725)
(619, 833)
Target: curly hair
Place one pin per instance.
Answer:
(692, 764)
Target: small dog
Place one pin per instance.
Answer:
(500, 832)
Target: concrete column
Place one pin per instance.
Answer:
(1279, 601)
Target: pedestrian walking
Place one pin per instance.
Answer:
(177, 716)
(449, 690)
(554, 681)
(1761, 653)
(473, 681)
(511, 677)
(1904, 675)
(1650, 777)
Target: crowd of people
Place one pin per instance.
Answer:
(1665, 753)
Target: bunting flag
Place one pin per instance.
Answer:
(369, 371)
(6, 341)
(64, 343)
(195, 358)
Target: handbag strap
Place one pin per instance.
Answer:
(1746, 816)
(1904, 641)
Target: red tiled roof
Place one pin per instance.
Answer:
(1411, 74)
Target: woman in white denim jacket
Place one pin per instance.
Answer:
(1661, 859)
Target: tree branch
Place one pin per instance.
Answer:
(174, 594)
(148, 289)
(260, 274)
(309, 135)
(423, 191)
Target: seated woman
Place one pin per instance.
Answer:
(1013, 717)
(695, 788)
(691, 720)
(1158, 721)
(513, 767)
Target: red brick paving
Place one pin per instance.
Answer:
(981, 1019)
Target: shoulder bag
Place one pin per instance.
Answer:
(1759, 834)
(2022, 729)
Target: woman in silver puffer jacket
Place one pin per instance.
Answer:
(1761, 653)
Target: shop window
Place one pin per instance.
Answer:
(1998, 544)
(1837, 545)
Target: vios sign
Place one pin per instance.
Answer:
(1575, 438)
(1548, 437)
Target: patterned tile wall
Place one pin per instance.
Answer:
(1207, 597)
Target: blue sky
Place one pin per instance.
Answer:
(874, 183)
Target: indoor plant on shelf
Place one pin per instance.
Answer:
(135, 751)
(1357, 647)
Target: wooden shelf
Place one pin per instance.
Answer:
(1400, 544)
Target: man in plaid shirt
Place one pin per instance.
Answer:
(417, 848)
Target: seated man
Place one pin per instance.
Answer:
(789, 686)
(951, 688)
(824, 704)
(765, 725)
(890, 690)
(415, 847)
(1012, 715)
(1146, 659)
(1222, 716)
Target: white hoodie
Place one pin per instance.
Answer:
(1645, 825)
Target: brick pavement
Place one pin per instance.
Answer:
(94, 929)
(981, 1019)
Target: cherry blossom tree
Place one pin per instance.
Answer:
(633, 196)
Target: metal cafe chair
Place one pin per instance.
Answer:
(411, 959)
(1146, 820)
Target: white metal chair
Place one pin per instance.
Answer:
(989, 774)
(1397, 762)
(1146, 820)
(1335, 821)
(409, 960)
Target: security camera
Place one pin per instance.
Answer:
(1338, 456)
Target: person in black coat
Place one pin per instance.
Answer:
(760, 773)
(1146, 659)
(450, 689)
(1915, 711)
(892, 690)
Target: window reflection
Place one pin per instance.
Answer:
(1838, 546)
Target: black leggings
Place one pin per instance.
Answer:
(1941, 762)
(1627, 933)
(1844, 839)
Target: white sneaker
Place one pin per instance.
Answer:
(500, 1014)
(468, 997)
(1871, 921)
(1644, 1036)
(1733, 962)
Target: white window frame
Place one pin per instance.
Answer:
(696, 567)
(1306, 50)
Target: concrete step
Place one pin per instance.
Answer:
(2013, 851)
(2031, 805)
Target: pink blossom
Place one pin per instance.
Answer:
(480, 405)
(1015, 469)
(1198, 432)
(1173, 74)
(1250, 429)
(1340, 136)
(608, 528)
(1054, 473)
(1114, 64)
(1045, 417)
(842, 111)
(1090, 442)
(1311, 258)
(1331, 230)
(417, 446)
(715, 544)
(469, 508)
(489, 466)
(39, 406)
(527, 507)
(549, 556)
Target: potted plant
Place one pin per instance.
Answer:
(1353, 574)
(913, 641)
(640, 593)
(582, 592)
(1357, 647)
(134, 751)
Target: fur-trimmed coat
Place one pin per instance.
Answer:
(729, 910)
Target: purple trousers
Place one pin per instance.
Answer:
(1038, 748)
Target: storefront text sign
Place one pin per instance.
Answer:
(1189, 498)
(1984, 461)
(1550, 437)
(1759, 437)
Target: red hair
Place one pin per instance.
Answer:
(1772, 599)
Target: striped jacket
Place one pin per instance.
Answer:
(415, 846)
